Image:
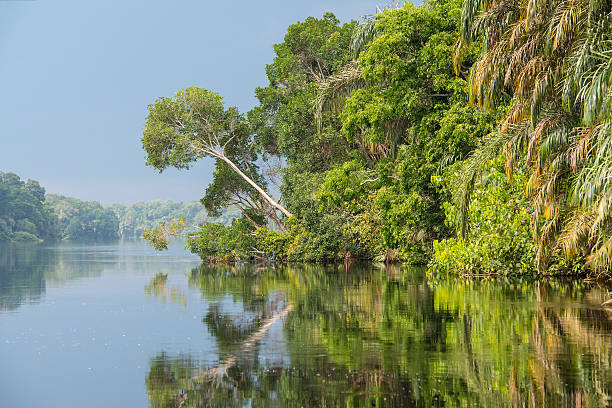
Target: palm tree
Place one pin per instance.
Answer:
(553, 59)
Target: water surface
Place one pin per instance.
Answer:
(122, 326)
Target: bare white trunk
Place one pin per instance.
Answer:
(265, 195)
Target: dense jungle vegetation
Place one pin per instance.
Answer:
(470, 135)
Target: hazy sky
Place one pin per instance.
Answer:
(76, 78)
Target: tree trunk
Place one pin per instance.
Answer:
(265, 195)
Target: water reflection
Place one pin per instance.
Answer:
(26, 270)
(299, 336)
(159, 287)
(314, 336)
(22, 279)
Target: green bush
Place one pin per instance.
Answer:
(499, 238)
(217, 242)
(272, 244)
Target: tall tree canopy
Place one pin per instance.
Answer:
(195, 124)
(381, 134)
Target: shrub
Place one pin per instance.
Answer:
(499, 238)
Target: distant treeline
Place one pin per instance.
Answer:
(134, 219)
(24, 215)
(27, 214)
(83, 220)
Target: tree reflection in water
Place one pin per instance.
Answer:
(26, 269)
(159, 287)
(373, 337)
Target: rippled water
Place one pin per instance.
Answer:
(122, 326)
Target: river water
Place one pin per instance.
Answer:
(123, 326)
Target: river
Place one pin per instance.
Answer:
(123, 326)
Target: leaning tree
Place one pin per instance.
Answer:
(195, 124)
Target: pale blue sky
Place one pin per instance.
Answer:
(76, 77)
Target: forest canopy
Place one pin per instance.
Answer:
(469, 135)
(24, 214)
(84, 220)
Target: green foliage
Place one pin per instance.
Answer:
(345, 185)
(362, 120)
(158, 237)
(35, 188)
(357, 178)
(24, 214)
(409, 71)
(410, 121)
(554, 59)
(83, 220)
(271, 244)
(322, 241)
(348, 191)
(135, 219)
(499, 238)
(217, 242)
(177, 129)
(194, 124)
(316, 234)
(25, 237)
(312, 51)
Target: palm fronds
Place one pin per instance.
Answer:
(363, 34)
(335, 89)
(554, 58)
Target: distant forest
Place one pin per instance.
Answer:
(24, 215)
(28, 214)
(135, 218)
